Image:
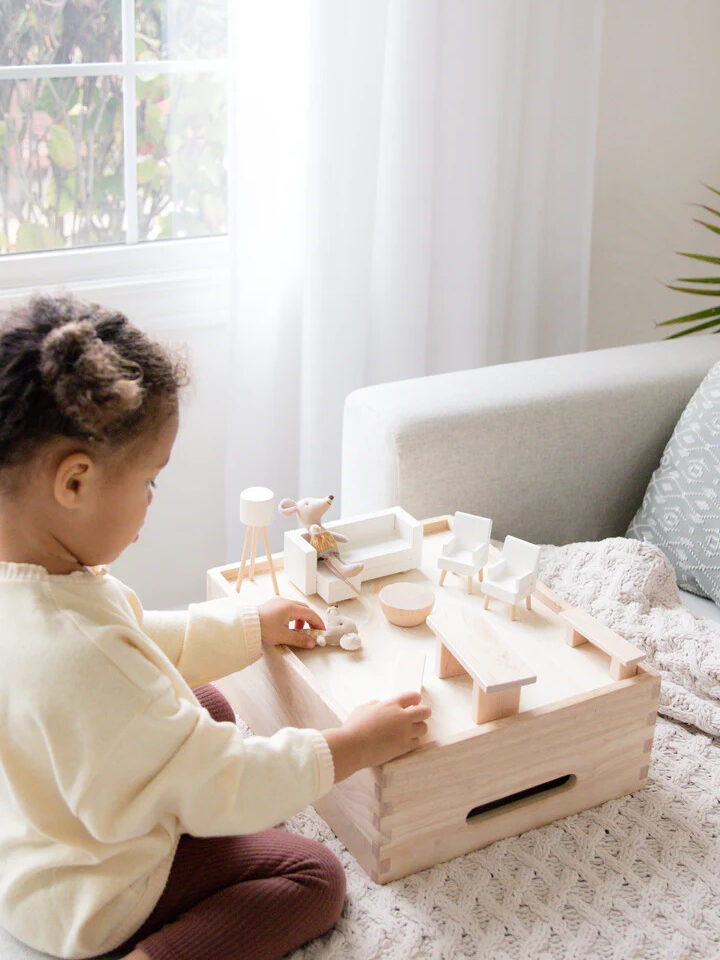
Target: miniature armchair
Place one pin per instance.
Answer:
(513, 578)
(466, 552)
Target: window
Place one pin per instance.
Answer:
(113, 119)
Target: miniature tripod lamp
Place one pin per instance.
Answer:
(257, 508)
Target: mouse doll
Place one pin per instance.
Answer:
(341, 631)
(311, 510)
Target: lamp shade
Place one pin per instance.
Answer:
(257, 506)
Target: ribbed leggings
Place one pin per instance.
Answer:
(251, 897)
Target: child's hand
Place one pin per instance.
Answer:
(377, 732)
(277, 613)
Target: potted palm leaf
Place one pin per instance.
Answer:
(708, 286)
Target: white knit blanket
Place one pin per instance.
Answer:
(637, 877)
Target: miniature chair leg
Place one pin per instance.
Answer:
(512, 611)
(487, 601)
(480, 574)
(442, 577)
(270, 561)
(527, 602)
(253, 550)
(241, 572)
(469, 584)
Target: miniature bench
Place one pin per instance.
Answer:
(582, 628)
(497, 673)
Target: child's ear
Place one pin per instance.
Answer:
(71, 480)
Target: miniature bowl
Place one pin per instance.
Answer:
(406, 604)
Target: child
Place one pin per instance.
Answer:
(130, 815)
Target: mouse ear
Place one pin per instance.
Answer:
(287, 507)
(351, 641)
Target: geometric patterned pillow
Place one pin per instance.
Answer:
(681, 509)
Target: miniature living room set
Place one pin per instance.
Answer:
(510, 545)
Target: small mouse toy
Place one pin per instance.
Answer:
(341, 631)
(310, 510)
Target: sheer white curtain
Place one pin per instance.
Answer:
(412, 194)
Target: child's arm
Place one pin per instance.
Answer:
(219, 637)
(377, 732)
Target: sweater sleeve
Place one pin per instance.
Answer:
(206, 641)
(173, 759)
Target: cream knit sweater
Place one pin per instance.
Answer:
(106, 756)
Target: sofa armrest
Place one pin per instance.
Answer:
(449, 548)
(554, 450)
(526, 582)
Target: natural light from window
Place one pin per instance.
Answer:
(113, 119)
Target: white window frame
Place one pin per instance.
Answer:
(159, 282)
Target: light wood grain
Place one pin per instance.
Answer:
(584, 627)
(576, 721)
(480, 650)
(409, 671)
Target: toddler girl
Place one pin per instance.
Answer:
(133, 814)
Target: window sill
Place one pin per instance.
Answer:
(177, 283)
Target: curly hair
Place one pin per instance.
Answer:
(78, 370)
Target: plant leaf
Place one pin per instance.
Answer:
(61, 148)
(700, 326)
(699, 256)
(699, 279)
(704, 223)
(704, 206)
(701, 315)
(711, 188)
(704, 293)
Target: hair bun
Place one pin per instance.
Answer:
(93, 386)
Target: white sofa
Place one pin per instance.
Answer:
(556, 450)
(385, 542)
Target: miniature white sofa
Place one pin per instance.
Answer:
(467, 550)
(513, 577)
(386, 542)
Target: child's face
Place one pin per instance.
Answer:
(117, 511)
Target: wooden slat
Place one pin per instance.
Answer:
(409, 672)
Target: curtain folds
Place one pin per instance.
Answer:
(412, 194)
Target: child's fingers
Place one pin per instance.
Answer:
(407, 699)
(417, 712)
(304, 613)
(300, 638)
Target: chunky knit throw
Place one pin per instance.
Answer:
(638, 877)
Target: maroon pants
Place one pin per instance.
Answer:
(234, 898)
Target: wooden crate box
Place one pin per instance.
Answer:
(574, 738)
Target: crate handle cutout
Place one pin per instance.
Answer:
(559, 784)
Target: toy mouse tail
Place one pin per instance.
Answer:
(337, 573)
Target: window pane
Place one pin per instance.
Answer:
(59, 31)
(181, 138)
(61, 169)
(180, 29)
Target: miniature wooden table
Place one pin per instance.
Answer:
(497, 673)
(571, 734)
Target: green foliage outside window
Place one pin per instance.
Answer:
(61, 139)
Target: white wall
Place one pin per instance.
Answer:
(184, 532)
(658, 138)
(178, 294)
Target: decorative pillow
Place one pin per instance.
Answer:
(681, 509)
